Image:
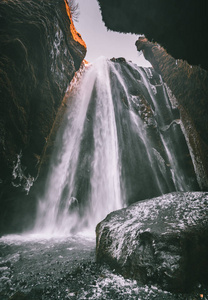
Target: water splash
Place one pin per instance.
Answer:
(19, 178)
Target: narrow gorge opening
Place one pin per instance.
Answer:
(116, 139)
(103, 42)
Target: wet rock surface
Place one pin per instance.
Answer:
(65, 268)
(161, 241)
(189, 86)
(40, 52)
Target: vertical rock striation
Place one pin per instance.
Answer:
(40, 52)
(190, 86)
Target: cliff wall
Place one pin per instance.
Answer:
(190, 86)
(40, 52)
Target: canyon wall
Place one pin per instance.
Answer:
(40, 51)
(190, 87)
(180, 26)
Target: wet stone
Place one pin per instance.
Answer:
(161, 241)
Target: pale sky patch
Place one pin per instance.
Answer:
(102, 42)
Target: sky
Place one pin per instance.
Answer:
(102, 42)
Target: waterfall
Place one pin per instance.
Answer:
(118, 143)
(59, 211)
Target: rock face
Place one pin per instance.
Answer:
(179, 26)
(40, 52)
(161, 241)
(190, 86)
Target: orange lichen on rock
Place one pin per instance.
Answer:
(76, 35)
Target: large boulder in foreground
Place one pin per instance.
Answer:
(160, 241)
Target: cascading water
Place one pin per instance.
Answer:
(59, 210)
(119, 142)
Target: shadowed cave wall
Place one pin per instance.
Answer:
(40, 51)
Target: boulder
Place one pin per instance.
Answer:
(161, 241)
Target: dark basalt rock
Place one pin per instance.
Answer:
(40, 52)
(161, 241)
(189, 84)
(179, 26)
(119, 59)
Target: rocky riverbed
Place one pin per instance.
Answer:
(35, 268)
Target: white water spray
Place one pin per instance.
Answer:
(55, 216)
